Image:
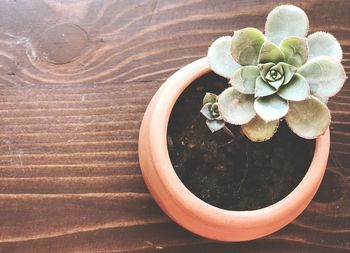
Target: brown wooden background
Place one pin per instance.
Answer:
(72, 98)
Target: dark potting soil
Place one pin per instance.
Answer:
(233, 174)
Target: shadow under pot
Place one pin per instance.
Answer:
(223, 186)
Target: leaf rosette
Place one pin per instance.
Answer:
(210, 110)
(282, 74)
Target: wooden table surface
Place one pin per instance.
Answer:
(75, 80)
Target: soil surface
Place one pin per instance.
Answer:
(233, 174)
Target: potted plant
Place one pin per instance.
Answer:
(243, 179)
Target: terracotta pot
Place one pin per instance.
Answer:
(188, 210)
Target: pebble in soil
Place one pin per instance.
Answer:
(233, 174)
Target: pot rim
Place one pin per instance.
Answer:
(294, 202)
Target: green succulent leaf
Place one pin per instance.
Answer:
(324, 74)
(276, 84)
(210, 98)
(308, 118)
(295, 50)
(220, 59)
(215, 125)
(270, 53)
(235, 107)
(296, 90)
(264, 69)
(258, 130)
(207, 112)
(288, 71)
(285, 21)
(244, 79)
(278, 67)
(246, 44)
(271, 108)
(263, 89)
(324, 44)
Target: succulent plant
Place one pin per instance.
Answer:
(210, 110)
(280, 75)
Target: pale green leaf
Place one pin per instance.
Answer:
(246, 44)
(296, 90)
(258, 130)
(264, 69)
(308, 118)
(285, 21)
(220, 59)
(324, 44)
(269, 52)
(210, 98)
(295, 50)
(262, 88)
(276, 84)
(244, 79)
(207, 112)
(278, 67)
(215, 125)
(271, 108)
(324, 74)
(235, 107)
(288, 71)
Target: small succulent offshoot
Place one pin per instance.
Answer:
(210, 110)
(280, 75)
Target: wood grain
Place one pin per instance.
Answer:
(70, 111)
